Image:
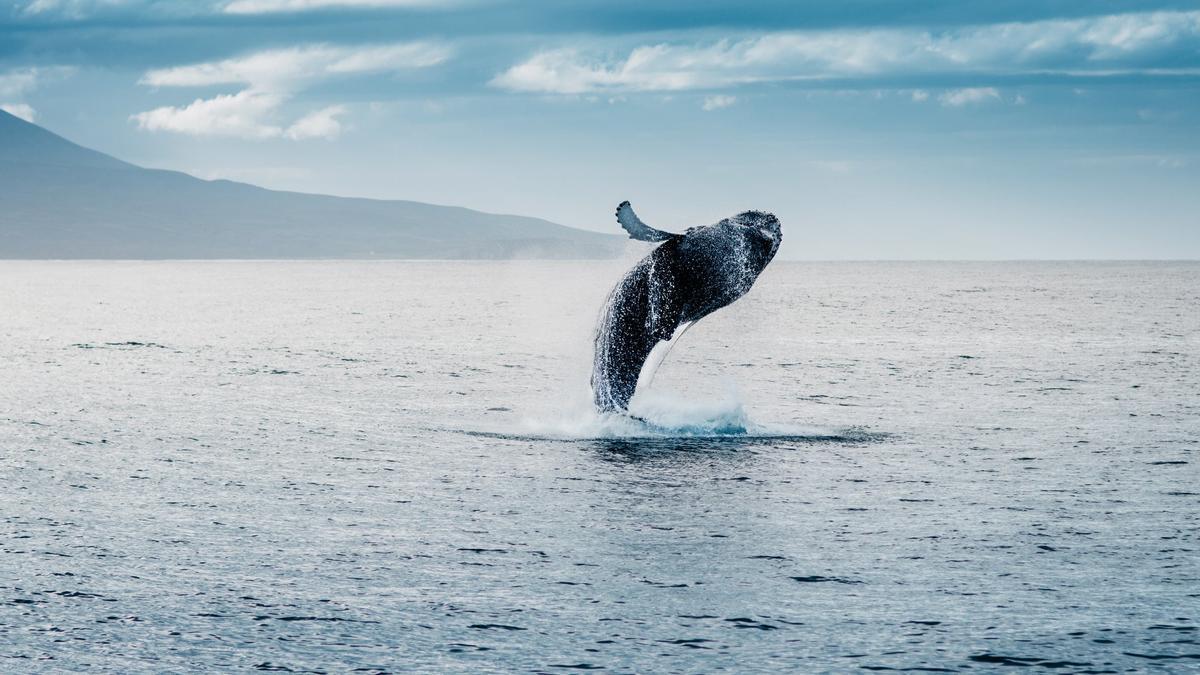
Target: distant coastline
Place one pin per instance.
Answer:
(64, 201)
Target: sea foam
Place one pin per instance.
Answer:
(659, 414)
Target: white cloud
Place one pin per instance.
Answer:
(1094, 45)
(320, 124)
(79, 9)
(18, 81)
(286, 68)
(919, 95)
(272, 6)
(718, 102)
(21, 110)
(241, 115)
(270, 78)
(959, 97)
(658, 67)
(246, 114)
(74, 9)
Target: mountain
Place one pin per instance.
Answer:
(60, 200)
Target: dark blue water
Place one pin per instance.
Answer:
(327, 467)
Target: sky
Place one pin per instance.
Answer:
(875, 129)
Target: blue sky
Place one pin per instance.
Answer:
(874, 129)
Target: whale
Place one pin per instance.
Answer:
(683, 279)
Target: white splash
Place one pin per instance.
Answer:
(658, 415)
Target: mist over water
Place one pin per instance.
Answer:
(394, 466)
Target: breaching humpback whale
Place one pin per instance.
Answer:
(686, 278)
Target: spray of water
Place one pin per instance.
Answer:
(662, 415)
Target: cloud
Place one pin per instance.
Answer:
(17, 82)
(718, 102)
(240, 115)
(959, 97)
(21, 110)
(1097, 45)
(269, 79)
(919, 95)
(320, 124)
(274, 6)
(81, 9)
(658, 67)
(280, 68)
(74, 9)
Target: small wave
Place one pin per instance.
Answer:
(658, 416)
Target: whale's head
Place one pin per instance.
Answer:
(762, 233)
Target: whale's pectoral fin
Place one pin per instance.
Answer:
(636, 228)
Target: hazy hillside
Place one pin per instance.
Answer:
(60, 200)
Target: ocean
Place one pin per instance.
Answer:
(377, 466)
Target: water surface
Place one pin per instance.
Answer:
(391, 466)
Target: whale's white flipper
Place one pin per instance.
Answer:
(636, 228)
(659, 354)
